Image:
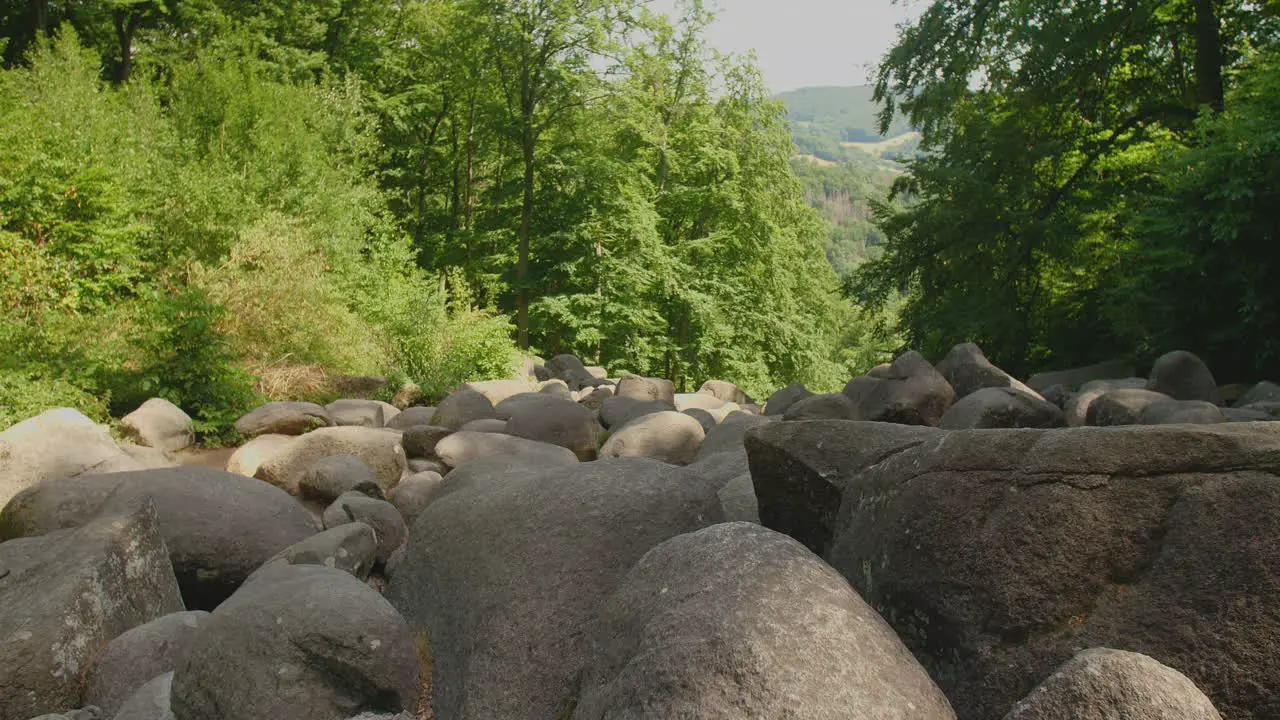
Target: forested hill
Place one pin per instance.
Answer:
(845, 114)
(235, 200)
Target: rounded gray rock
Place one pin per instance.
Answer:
(461, 407)
(332, 475)
(387, 522)
(668, 436)
(1183, 376)
(131, 660)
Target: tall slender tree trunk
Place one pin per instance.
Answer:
(1209, 88)
(40, 13)
(126, 25)
(526, 225)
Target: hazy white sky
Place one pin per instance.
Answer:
(808, 42)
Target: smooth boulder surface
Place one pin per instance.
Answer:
(1121, 407)
(699, 401)
(462, 447)
(410, 417)
(1001, 407)
(159, 424)
(725, 391)
(912, 393)
(379, 449)
(1264, 391)
(857, 390)
(302, 642)
(704, 418)
(249, 457)
(998, 554)
(333, 475)
(284, 418)
(499, 390)
(647, 389)
(727, 436)
(785, 398)
(420, 441)
(738, 500)
(150, 702)
(351, 547)
(569, 369)
(387, 522)
(56, 444)
(132, 659)
(1101, 684)
(1076, 405)
(358, 413)
(968, 370)
(414, 493)
(615, 411)
(800, 470)
(557, 421)
(485, 425)
(66, 595)
(736, 621)
(218, 526)
(1075, 378)
(1177, 412)
(1183, 376)
(461, 407)
(497, 469)
(832, 406)
(668, 436)
(506, 576)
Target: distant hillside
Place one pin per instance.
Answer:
(842, 114)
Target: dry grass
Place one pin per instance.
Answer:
(281, 380)
(816, 160)
(426, 664)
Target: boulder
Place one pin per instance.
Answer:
(593, 398)
(218, 526)
(461, 407)
(411, 417)
(506, 577)
(881, 371)
(357, 413)
(997, 554)
(66, 595)
(301, 642)
(1262, 392)
(1059, 395)
(150, 702)
(1002, 407)
(785, 398)
(569, 369)
(418, 466)
(414, 493)
(284, 418)
(351, 547)
(249, 457)
(833, 406)
(704, 418)
(1183, 376)
(557, 421)
(618, 411)
(738, 500)
(799, 470)
(420, 441)
(700, 401)
(727, 436)
(1121, 407)
(1175, 412)
(668, 436)
(912, 393)
(560, 388)
(1245, 415)
(857, 390)
(132, 659)
(1074, 378)
(1076, 405)
(498, 390)
(498, 469)
(1101, 684)
(487, 425)
(332, 475)
(159, 424)
(736, 621)
(56, 444)
(725, 391)
(647, 389)
(387, 523)
(137, 457)
(379, 449)
(968, 370)
(463, 447)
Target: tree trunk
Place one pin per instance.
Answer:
(1209, 89)
(126, 24)
(526, 224)
(40, 13)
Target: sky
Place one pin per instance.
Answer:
(808, 42)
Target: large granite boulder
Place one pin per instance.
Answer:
(727, 436)
(1182, 412)
(461, 407)
(1002, 407)
(736, 621)
(784, 398)
(1075, 378)
(358, 413)
(998, 554)
(66, 595)
(557, 421)
(218, 526)
(616, 412)
(465, 446)
(725, 391)
(912, 393)
(1122, 407)
(1076, 405)
(56, 444)
(1183, 376)
(506, 576)
(132, 659)
(379, 449)
(647, 389)
(669, 436)
(412, 416)
(284, 418)
(968, 370)
(831, 406)
(299, 643)
(249, 457)
(1101, 684)
(159, 424)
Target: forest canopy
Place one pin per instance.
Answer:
(216, 200)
